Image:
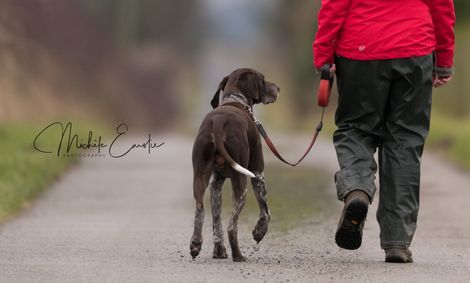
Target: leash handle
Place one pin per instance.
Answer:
(326, 83)
(325, 73)
(273, 149)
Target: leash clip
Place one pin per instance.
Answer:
(319, 126)
(260, 127)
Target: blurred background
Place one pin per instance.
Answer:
(155, 65)
(150, 63)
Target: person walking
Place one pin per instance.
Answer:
(386, 55)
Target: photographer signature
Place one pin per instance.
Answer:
(72, 141)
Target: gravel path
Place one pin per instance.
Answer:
(130, 219)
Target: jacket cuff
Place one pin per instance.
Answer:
(444, 72)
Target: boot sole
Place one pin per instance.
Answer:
(398, 259)
(349, 234)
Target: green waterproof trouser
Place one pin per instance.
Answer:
(384, 105)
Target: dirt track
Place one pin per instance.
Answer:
(130, 219)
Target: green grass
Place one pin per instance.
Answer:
(451, 137)
(25, 172)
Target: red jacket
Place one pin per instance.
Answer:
(385, 29)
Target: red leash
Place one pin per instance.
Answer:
(273, 148)
(323, 98)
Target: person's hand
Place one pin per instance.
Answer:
(441, 80)
(333, 70)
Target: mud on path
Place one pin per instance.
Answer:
(130, 219)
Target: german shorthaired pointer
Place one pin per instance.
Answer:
(228, 146)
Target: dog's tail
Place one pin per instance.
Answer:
(219, 134)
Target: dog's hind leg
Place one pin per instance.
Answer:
(199, 186)
(259, 187)
(239, 198)
(216, 204)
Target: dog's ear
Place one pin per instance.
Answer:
(259, 88)
(215, 99)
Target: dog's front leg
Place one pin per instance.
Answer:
(216, 204)
(259, 187)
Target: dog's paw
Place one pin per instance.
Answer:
(260, 230)
(194, 253)
(195, 248)
(258, 235)
(238, 258)
(219, 251)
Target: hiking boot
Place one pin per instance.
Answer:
(398, 255)
(349, 232)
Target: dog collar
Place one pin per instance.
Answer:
(236, 97)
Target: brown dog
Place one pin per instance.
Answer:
(228, 146)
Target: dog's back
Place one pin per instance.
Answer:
(227, 135)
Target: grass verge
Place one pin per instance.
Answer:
(451, 137)
(25, 172)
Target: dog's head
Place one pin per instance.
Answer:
(251, 84)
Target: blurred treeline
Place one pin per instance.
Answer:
(115, 60)
(462, 10)
(138, 22)
(134, 60)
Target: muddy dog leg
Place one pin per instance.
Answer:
(239, 198)
(199, 186)
(259, 187)
(216, 204)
